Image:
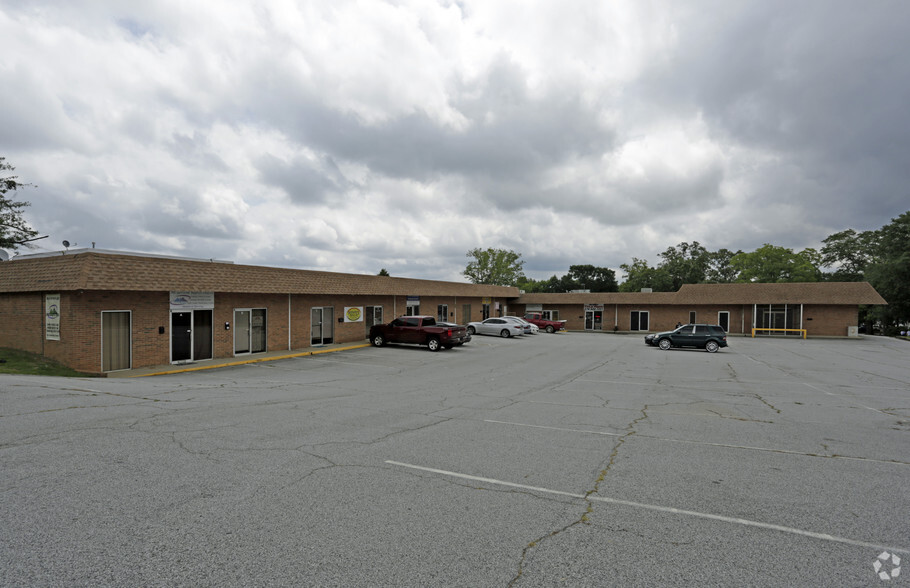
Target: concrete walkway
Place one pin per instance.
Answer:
(209, 364)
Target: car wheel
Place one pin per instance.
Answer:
(711, 346)
(378, 341)
(433, 344)
(550, 329)
(471, 331)
(505, 333)
(664, 344)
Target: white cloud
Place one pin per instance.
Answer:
(360, 134)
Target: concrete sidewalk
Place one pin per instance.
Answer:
(209, 364)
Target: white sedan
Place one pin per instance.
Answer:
(496, 326)
(530, 329)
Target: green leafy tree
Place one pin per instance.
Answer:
(850, 252)
(719, 269)
(686, 264)
(14, 231)
(498, 267)
(770, 263)
(595, 279)
(383, 272)
(639, 274)
(889, 273)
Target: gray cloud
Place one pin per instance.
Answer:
(352, 136)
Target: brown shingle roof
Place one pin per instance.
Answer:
(95, 270)
(846, 293)
(118, 272)
(599, 298)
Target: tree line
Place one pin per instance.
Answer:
(880, 257)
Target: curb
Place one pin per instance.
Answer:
(248, 361)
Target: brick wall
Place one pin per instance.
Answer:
(829, 321)
(22, 321)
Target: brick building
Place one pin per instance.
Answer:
(100, 311)
(822, 309)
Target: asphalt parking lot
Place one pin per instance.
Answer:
(574, 459)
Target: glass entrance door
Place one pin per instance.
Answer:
(181, 336)
(191, 335)
(639, 320)
(316, 326)
(594, 320)
(723, 319)
(250, 331)
(241, 331)
(257, 330)
(373, 316)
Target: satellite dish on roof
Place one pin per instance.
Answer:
(4, 256)
(66, 243)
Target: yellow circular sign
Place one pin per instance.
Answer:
(353, 314)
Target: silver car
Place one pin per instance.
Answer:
(496, 326)
(528, 327)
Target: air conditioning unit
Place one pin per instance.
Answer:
(853, 331)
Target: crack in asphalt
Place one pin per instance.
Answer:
(584, 519)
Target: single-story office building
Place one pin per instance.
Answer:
(101, 311)
(822, 309)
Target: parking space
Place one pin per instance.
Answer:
(575, 459)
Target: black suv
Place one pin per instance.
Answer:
(707, 337)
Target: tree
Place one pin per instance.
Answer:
(851, 253)
(383, 272)
(719, 269)
(494, 266)
(770, 263)
(686, 264)
(595, 279)
(889, 274)
(640, 275)
(14, 231)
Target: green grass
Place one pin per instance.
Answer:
(14, 361)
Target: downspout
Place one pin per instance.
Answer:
(289, 321)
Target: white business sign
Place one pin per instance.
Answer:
(192, 300)
(353, 314)
(52, 317)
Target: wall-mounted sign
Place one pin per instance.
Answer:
(594, 306)
(353, 314)
(52, 317)
(486, 300)
(413, 300)
(192, 300)
(534, 307)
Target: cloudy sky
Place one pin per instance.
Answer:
(358, 135)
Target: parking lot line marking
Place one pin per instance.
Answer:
(846, 396)
(555, 428)
(657, 508)
(708, 443)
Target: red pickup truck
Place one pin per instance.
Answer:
(536, 318)
(418, 330)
